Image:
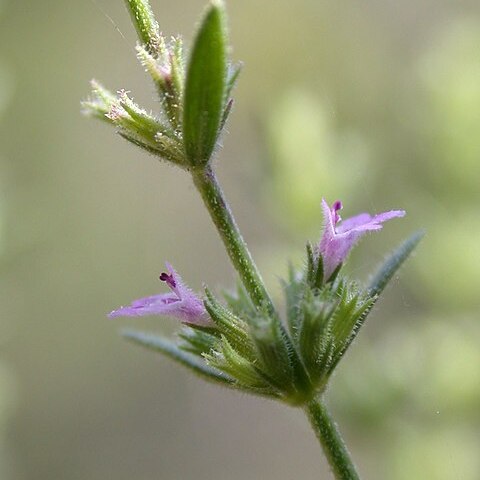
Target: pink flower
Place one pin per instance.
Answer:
(338, 240)
(181, 303)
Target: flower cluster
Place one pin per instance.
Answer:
(257, 351)
(195, 102)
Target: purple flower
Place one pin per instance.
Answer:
(338, 240)
(181, 303)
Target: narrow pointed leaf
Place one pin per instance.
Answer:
(171, 350)
(314, 268)
(334, 275)
(393, 263)
(237, 366)
(310, 264)
(274, 352)
(294, 290)
(196, 341)
(233, 74)
(204, 101)
(341, 348)
(226, 114)
(232, 328)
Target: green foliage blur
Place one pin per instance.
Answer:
(374, 103)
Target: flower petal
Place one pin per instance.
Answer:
(181, 303)
(152, 305)
(383, 217)
(337, 241)
(353, 222)
(328, 225)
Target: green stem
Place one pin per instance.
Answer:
(331, 441)
(212, 195)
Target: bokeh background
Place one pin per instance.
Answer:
(374, 102)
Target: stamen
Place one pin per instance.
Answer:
(168, 279)
(335, 208)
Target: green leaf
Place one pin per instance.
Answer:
(393, 263)
(311, 269)
(171, 349)
(274, 352)
(314, 335)
(195, 341)
(334, 275)
(145, 23)
(294, 291)
(228, 359)
(239, 301)
(233, 74)
(314, 268)
(204, 101)
(349, 333)
(231, 327)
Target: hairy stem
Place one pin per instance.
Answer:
(212, 195)
(332, 443)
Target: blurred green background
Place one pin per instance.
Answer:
(375, 102)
